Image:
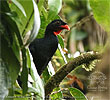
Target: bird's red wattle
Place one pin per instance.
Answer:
(56, 33)
(64, 27)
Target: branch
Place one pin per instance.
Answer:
(82, 21)
(55, 80)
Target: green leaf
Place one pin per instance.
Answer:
(60, 40)
(19, 6)
(44, 23)
(62, 53)
(54, 8)
(13, 36)
(26, 22)
(9, 57)
(38, 85)
(41, 5)
(14, 16)
(36, 25)
(28, 58)
(77, 94)
(4, 7)
(13, 26)
(48, 72)
(57, 17)
(44, 12)
(16, 47)
(60, 58)
(24, 73)
(10, 24)
(56, 96)
(101, 11)
(5, 82)
(45, 75)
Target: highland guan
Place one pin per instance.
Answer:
(43, 49)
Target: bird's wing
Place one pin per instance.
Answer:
(39, 53)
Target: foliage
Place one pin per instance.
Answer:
(57, 95)
(101, 12)
(77, 94)
(18, 19)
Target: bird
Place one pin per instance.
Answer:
(44, 48)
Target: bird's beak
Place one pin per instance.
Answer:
(65, 27)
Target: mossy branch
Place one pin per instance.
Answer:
(55, 80)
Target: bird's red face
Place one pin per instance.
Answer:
(61, 28)
(57, 26)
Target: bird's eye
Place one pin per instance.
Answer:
(58, 22)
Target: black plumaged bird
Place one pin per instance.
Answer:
(43, 49)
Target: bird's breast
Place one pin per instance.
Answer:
(51, 45)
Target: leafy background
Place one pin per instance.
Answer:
(19, 17)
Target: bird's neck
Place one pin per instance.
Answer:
(49, 33)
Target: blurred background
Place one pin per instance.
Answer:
(85, 35)
(89, 32)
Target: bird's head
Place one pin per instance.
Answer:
(57, 26)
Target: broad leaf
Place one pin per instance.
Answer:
(9, 57)
(9, 23)
(45, 75)
(4, 7)
(38, 85)
(60, 40)
(44, 23)
(54, 8)
(28, 58)
(59, 57)
(14, 16)
(77, 94)
(24, 73)
(36, 25)
(101, 11)
(12, 24)
(62, 53)
(5, 82)
(19, 6)
(48, 72)
(25, 22)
